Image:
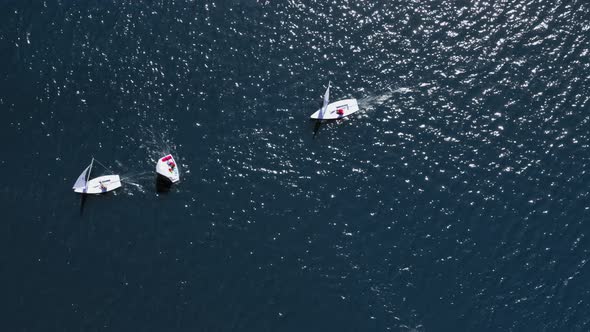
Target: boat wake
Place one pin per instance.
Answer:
(159, 144)
(369, 103)
(137, 182)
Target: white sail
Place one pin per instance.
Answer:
(326, 101)
(327, 96)
(82, 179)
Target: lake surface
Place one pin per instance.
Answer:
(457, 199)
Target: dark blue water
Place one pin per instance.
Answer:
(456, 200)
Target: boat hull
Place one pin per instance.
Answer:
(100, 185)
(167, 168)
(348, 107)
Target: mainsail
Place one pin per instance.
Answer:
(327, 96)
(82, 179)
(326, 101)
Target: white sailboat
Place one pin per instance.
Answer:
(335, 110)
(99, 185)
(168, 168)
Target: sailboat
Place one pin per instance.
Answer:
(168, 169)
(335, 110)
(99, 185)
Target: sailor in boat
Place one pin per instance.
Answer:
(102, 187)
(340, 111)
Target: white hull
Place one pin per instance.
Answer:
(101, 184)
(168, 168)
(348, 106)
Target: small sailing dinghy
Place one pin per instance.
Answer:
(168, 169)
(99, 185)
(335, 110)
